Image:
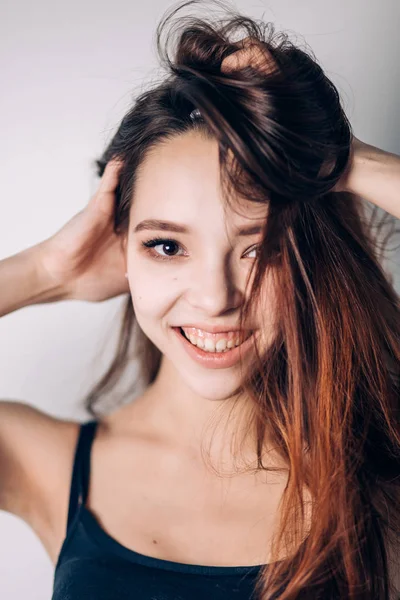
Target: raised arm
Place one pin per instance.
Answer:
(23, 281)
(373, 174)
(83, 261)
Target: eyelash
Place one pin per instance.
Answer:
(151, 244)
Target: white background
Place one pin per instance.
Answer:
(69, 72)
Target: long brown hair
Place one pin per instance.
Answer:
(326, 390)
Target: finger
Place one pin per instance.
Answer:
(110, 176)
(104, 198)
(232, 61)
(251, 54)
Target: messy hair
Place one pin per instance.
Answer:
(325, 391)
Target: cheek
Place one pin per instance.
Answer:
(153, 290)
(267, 313)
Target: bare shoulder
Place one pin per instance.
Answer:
(37, 452)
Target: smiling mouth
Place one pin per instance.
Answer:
(216, 344)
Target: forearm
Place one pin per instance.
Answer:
(376, 177)
(23, 282)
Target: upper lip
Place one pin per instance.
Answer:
(214, 328)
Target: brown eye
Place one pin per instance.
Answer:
(169, 248)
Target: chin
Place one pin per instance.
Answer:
(217, 387)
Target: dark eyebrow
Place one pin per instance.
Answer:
(249, 230)
(155, 224)
(161, 226)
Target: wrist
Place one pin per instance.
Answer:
(368, 162)
(47, 288)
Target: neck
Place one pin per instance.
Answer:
(191, 422)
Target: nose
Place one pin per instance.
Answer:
(213, 290)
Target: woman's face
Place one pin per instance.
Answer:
(188, 263)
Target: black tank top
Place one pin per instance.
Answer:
(92, 565)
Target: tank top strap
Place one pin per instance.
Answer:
(81, 469)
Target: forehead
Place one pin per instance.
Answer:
(180, 179)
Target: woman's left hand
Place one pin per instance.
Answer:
(374, 175)
(371, 173)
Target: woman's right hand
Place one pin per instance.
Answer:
(86, 257)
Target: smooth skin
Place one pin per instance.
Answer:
(174, 507)
(214, 521)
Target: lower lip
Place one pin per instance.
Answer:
(214, 360)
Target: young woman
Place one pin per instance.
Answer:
(257, 454)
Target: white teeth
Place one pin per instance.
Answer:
(220, 345)
(208, 345)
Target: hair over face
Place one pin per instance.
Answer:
(326, 388)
